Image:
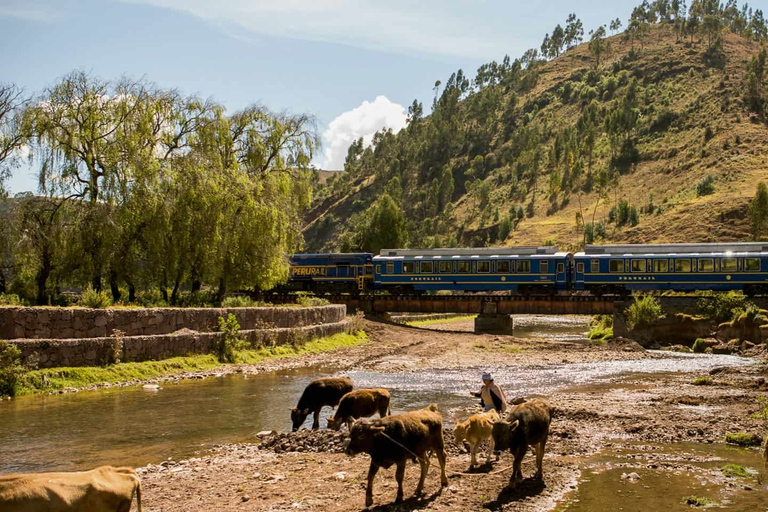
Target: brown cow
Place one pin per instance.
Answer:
(475, 430)
(104, 489)
(527, 425)
(394, 440)
(319, 393)
(360, 403)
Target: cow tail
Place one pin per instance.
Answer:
(138, 496)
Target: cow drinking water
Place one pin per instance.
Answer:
(360, 403)
(395, 439)
(319, 393)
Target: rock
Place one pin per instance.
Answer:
(625, 344)
(722, 349)
(265, 433)
(631, 477)
(151, 387)
(244, 498)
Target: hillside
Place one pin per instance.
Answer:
(656, 144)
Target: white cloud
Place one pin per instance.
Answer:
(427, 26)
(31, 10)
(362, 121)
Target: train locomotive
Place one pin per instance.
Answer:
(599, 269)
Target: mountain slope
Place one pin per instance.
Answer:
(549, 147)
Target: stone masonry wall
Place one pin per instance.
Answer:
(49, 353)
(70, 323)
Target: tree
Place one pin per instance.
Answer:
(14, 129)
(574, 31)
(615, 25)
(597, 44)
(386, 227)
(758, 213)
(757, 73)
(711, 26)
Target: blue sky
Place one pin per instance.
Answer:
(355, 65)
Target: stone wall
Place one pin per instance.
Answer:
(70, 323)
(49, 353)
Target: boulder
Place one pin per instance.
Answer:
(678, 328)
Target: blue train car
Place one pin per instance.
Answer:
(351, 273)
(623, 268)
(525, 269)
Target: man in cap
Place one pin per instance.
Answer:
(491, 395)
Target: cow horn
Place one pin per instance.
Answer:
(378, 429)
(514, 425)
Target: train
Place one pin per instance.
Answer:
(598, 270)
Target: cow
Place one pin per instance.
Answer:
(475, 430)
(394, 439)
(526, 425)
(360, 403)
(319, 393)
(104, 489)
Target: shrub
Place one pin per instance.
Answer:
(699, 346)
(706, 186)
(601, 327)
(307, 301)
(90, 298)
(723, 307)
(743, 439)
(11, 369)
(762, 414)
(703, 381)
(116, 346)
(10, 299)
(242, 301)
(645, 311)
(505, 227)
(357, 323)
(230, 342)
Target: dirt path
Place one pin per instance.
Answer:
(611, 417)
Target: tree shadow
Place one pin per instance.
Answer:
(525, 488)
(411, 503)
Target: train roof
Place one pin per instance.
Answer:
(760, 248)
(479, 251)
(334, 256)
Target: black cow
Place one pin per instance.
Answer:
(319, 393)
(527, 425)
(394, 440)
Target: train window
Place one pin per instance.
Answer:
(390, 267)
(580, 268)
(706, 265)
(484, 266)
(682, 265)
(560, 268)
(380, 269)
(544, 267)
(728, 265)
(465, 267)
(524, 266)
(408, 267)
(616, 265)
(368, 270)
(638, 265)
(445, 267)
(751, 264)
(502, 266)
(660, 265)
(594, 266)
(426, 267)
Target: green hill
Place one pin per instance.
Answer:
(661, 138)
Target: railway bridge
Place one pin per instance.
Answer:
(496, 312)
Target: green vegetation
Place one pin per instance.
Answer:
(643, 312)
(743, 439)
(758, 212)
(62, 378)
(186, 196)
(723, 307)
(762, 413)
(699, 346)
(703, 381)
(698, 501)
(231, 341)
(91, 298)
(439, 321)
(601, 327)
(242, 301)
(735, 470)
(511, 153)
(11, 299)
(11, 370)
(307, 301)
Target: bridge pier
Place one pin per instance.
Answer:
(496, 324)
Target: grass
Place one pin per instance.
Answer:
(735, 470)
(703, 381)
(502, 347)
(743, 439)
(698, 501)
(53, 379)
(438, 321)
